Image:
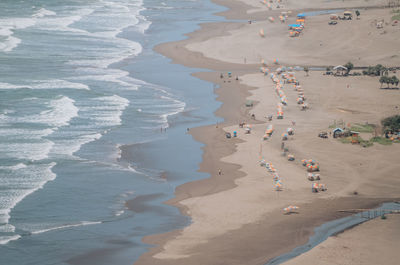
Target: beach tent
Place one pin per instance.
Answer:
(301, 15)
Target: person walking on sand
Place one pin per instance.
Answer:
(219, 172)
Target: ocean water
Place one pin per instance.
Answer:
(79, 80)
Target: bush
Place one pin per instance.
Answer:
(391, 123)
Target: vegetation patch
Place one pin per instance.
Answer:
(381, 140)
(396, 14)
(363, 128)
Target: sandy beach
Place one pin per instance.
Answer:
(237, 214)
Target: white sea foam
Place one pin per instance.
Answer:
(14, 167)
(83, 223)
(33, 151)
(25, 180)
(46, 84)
(9, 133)
(44, 12)
(68, 147)
(7, 228)
(5, 239)
(117, 76)
(109, 110)
(7, 28)
(61, 111)
(63, 22)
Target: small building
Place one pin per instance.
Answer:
(340, 70)
(348, 15)
(338, 132)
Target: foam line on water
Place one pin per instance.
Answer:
(46, 84)
(82, 223)
(5, 239)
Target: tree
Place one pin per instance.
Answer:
(394, 80)
(391, 123)
(378, 69)
(382, 80)
(349, 67)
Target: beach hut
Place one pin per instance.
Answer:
(348, 15)
(338, 132)
(340, 69)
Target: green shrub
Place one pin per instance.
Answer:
(381, 140)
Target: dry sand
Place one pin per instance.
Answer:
(373, 242)
(237, 217)
(320, 44)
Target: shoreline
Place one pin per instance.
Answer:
(216, 147)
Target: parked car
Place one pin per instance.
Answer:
(332, 22)
(323, 135)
